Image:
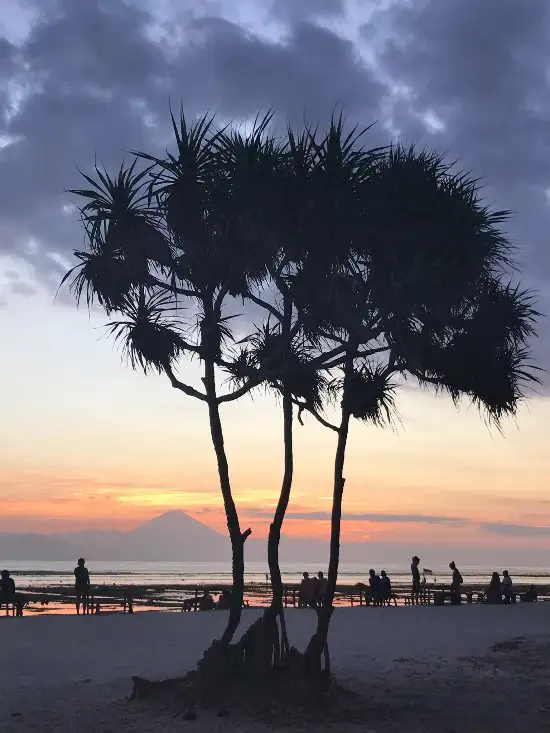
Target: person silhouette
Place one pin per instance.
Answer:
(385, 585)
(456, 584)
(415, 572)
(7, 590)
(82, 586)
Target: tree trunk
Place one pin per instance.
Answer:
(274, 536)
(233, 526)
(318, 644)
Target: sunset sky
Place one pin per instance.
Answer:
(87, 443)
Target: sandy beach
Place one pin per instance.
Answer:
(472, 668)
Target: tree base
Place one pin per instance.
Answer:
(249, 678)
(286, 696)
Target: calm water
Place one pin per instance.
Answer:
(41, 574)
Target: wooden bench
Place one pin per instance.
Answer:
(15, 604)
(193, 604)
(95, 603)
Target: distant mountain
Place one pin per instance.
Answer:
(175, 536)
(171, 536)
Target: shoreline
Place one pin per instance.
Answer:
(60, 599)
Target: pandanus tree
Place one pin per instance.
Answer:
(265, 172)
(406, 272)
(163, 259)
(368, 267)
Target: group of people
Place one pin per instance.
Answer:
(419, 583)
(207, 603)
(379, 590)
(8, 595)
(312, 591)
(502, 591)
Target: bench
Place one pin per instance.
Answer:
(15, 604)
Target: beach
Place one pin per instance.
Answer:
(473, 667)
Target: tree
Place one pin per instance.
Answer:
(412, 282)
(160, 244)
(265, 172)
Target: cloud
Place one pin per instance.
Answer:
(114, 94)
(379, 518)
(290, 9)
(456, 76)
(472, 79)
(516, 530)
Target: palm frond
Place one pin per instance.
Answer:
(101, 279)
(369, 394)
(150, 339)
(428, 235)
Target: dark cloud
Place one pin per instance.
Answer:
(471, 77)
(307, 8)
(500, 528)
(91, 81)
(307, 73)
(516, 530)
(369, 517)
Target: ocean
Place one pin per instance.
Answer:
(40, 574)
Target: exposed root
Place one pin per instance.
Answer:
(261, 674)
(287, 694)
(146, 688)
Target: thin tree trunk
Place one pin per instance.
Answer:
(318, 643)
(274, 536)
(233, 525)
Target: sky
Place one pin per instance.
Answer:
(87, 443)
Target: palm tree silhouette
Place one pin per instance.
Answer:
(264, 171)
(160, 244)
(369, 267)
(405, 272)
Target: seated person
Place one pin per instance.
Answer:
(306, 593)
(320, 588)
(530, 596)
(224, 601)
(7, 585)
(375, 588)
(385, 586)
(206, 602)
(494, 592)
(7, 589)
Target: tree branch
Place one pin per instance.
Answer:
(218, 301)
(266, 306)
(366, 353)
(247, 386)
(245, 535)
(421, 378)
(172, 288)
(302, 406)
(185, 388)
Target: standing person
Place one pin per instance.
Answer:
(507, 587)
(320, 588)
(415, 572)
(306, 593)
(456, 584)
(82, 585)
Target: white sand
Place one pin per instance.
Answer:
(69, 673)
